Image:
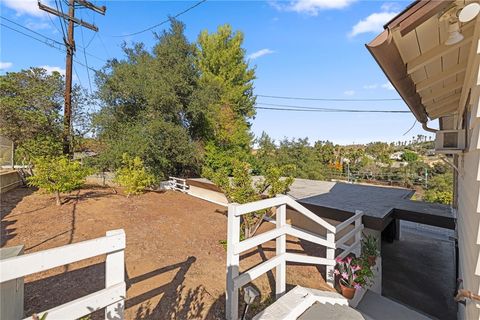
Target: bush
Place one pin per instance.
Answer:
(57, 175)
(133, 176)
(440, 189)
(409, 156)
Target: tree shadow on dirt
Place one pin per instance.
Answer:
(8, 201)
(177, 301)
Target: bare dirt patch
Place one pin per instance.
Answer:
(175, 266)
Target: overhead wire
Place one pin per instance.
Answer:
(326, 99)
(285, 107)
(162, 22)
(52, 45)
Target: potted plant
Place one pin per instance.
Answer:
(364, 273)
(347, 271)
(370, 248)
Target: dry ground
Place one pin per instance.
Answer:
(175, 266)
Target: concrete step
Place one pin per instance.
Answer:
(377, 307)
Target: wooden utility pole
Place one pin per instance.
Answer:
(70, 47)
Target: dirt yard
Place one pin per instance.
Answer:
(175, 265)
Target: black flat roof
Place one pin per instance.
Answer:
(339, 201)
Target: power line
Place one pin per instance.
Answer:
(163, 22)
(44, 36)
(86, 61)
(283, 107)
(31, 30)
(51, 45)
(413, 125)
(325, 99)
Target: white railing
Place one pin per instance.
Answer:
(178, 184)
(235, 279)
(112, 298)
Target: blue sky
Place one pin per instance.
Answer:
(305, 48)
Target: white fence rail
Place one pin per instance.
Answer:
(112, 298)
(178, 184)
(235, 279)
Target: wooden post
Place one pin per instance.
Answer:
(233, 260)
(281, 242)
(358, 235)
(115, 274)
(329, 276)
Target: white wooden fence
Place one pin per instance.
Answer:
(235, 247)
(112, 298)
(178, 184)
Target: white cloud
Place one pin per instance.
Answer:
(388, 86)
(349, 92)
(259, 53)
(311, 7)
(29, 7)
(374, 22)
(5, 65)
(38, 25)
(370, 86)
(51, 69)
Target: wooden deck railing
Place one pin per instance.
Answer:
(235, 279)
(111, 298)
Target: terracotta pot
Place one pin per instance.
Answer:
(372, 260)
(347, 292)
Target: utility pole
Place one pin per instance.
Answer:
(70, 47)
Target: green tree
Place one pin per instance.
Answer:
(57, 175)
(440, 189)
(409, 156)
(240, 189)
(381, 151)
(152, 106)
(30, 110)
(223, 67)
(265, 155)
(133, 175)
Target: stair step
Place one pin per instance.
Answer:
(376, 306)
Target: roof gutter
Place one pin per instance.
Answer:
(388, 57)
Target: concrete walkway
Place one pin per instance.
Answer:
(419, 271)
(375, 306)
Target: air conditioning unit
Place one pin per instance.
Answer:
(450, 141)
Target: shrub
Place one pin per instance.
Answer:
(409, 156)
(133, 176)
(57, 175)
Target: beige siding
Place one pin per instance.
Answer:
(469, 211)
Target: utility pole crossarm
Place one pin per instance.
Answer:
(91, 6)
(67, 17)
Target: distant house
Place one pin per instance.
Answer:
(397, 156)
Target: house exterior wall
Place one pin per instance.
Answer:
(468, 206)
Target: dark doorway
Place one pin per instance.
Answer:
(418, 269)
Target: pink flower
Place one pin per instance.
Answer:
(349, 259)
(356, 268)
(344, 275)
(336, 272)
(357, 286)
(339, 260)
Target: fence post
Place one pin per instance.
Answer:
(115, 274)
(329, 275)
(233, 238)
(358, 235)
(281, 244)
